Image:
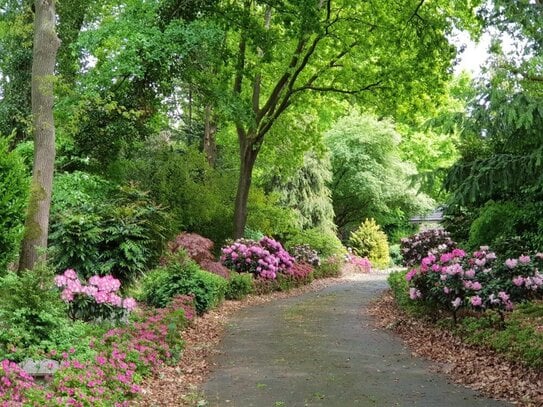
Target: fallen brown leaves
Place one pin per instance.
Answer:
(178, 385)
(481, 369)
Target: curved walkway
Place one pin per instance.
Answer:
(320, 349)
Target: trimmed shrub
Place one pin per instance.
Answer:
(330, 267)
(325, 242)
(14, 182)
(435, 241)
(159, 286)
(371, 242)
(240, 285)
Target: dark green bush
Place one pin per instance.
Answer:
(183, 277)
(100, 228)
(371, 242)
(496, 220)
(325, 242)
(14, 181)
(33, 318)
(240, 285)
(198, 197)
(329, 267)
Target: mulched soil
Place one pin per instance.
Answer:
(178, 385)
(480, 369)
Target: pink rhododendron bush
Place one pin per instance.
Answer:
(97, 299)
(455, 280)
(265, 258)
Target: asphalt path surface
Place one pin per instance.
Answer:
(321, 349)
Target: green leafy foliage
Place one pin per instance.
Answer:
(519, 340)
(400, 290)
(325, 242)
(330, 267)
(240, 285)
(198, 197)
(307, 193)
(99, 228)
(13, 193)
(371, 242)
(33, 318)
(183, 276)
(370, 178)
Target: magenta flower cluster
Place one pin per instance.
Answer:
(14, 381)
(452, 280)
(123, 357)
(97, 298)
(361, 264)
(265, 258)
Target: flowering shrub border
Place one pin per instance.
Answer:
(454, 281)
(123, 357)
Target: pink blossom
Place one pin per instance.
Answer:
(412, 273)
(129, 303)
(70, 274)
(458, 253)
(470, 273)
(60, 280)
(414, 293)
(524, 259)
(456, 303)
(511, 263)
(491, 256)
(476, 286)
(476, 301)
(67, 295)
(518, 281)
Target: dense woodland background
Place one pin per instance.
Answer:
(285, 118)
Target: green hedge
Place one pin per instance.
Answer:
(159, 286)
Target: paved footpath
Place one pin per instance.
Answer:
(320, 349)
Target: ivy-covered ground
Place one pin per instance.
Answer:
(320, 348)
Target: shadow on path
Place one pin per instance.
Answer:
(320, 349)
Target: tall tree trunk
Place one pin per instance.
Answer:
(210, 146)
(248, 153)
(44, 52)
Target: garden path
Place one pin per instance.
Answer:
(321, 349)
